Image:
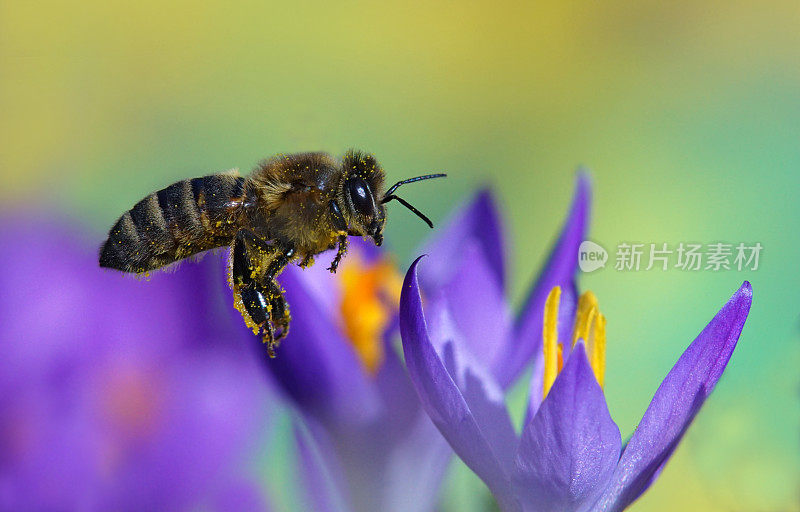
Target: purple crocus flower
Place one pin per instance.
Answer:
(365, 443)
(363, 440)
(569, 456)
(117, 394)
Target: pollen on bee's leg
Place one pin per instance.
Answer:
(307, 262)
(240, 307)
(271, 350)
(269, 339)
(552, 352)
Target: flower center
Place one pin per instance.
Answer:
(370, 294)
(589, 326)
(132, 400)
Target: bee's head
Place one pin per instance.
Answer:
(363, 198)
(360, 195)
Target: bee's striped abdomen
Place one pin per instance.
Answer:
(186, 218)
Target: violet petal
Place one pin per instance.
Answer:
(322, 490)
(676, 402)
(571, 447)
(476, 304)
(316, 366)
(443, 400)
(477, 220)
(560, 269)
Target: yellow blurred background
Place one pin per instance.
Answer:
(687, 113)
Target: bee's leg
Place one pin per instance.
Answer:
(280, 311)
(256, 295)
(307, 261)
(283, 257)
(259, 306)
(277, 304)
(340, 252)
(250, 298)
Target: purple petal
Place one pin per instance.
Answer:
(677, 401)
(417, 462)
(571, 447)
(56, 302)
(561, 267)
(478, 220)
(315, 365)
(209, 418)
(470, 374)
(401, 404)
(378, 456)
(444, 402)
(110, 401)
(375, 467)
(241, 496)
(475, 303)
(323, 491)
(399, 451)
(535, 388)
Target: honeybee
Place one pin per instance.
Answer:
(289, 209)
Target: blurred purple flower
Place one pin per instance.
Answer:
(117, 394)
(366, 444)
(569, 455)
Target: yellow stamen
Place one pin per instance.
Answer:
(587, 308)
(589, 326)
(589, 342)
(368, 293)
(599, 349)
(550, 340)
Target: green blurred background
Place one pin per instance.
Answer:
(687, 113)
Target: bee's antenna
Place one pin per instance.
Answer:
(389, 196)
(405, 203)
(409, 180)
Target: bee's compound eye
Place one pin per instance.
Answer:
(360, 196)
